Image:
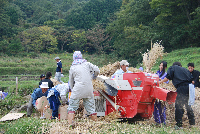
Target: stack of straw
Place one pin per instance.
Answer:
(55, 82)
(109, 69)
(134, 70)
(150, 57)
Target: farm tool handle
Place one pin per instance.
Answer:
(111, 102)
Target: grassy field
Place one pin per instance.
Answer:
(184, 56)
(10, 67)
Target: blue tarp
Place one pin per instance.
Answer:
(4, 95)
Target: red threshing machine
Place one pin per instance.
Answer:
(134, 93)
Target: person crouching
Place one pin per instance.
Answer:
(37, 93)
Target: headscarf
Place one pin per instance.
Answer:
(77, 57)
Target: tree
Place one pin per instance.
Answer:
(133, 30)
(64, 37)
(39, 39)
(14, 47)
(174, 21)
(92, 12)
(79, 41)
(97, 41)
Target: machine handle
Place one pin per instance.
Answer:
(111, 102)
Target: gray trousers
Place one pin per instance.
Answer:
(30, 107)
(58, 76)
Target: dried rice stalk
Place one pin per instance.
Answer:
(79, 113)
(168, 86)
(55, 82)
(81, 126)
(150, 57)
(132, 69)
(197, 93)
(111, 116)
(109, 69)
(98, 85)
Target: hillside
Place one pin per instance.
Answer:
(182, 55)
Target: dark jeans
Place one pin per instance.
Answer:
(181, 100)
(54, 105)
(159, 112)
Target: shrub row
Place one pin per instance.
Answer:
(24, 70)
(13, 64)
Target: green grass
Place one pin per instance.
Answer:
(184, 56)
(23, 126)
(44, 62)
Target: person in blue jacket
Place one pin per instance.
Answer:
(53, 98)
(159, 109)
(37, 93)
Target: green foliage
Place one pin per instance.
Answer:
(27, 88)
(10, 102)
(39, 39)
(3, 45)
(64, 38)
(79, 40)
(14, 47)
(132, 31)
(97, 41)
(174, 21)
(91, 12)
(57, 24)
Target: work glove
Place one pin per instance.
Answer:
(64, 99)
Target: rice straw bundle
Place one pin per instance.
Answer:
(134, 70)
(55, 82)
(109, 69)
(98, 85)
(168, 86)
(150, 57)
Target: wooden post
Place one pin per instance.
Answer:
(16, 85)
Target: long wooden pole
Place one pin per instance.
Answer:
(16, 85)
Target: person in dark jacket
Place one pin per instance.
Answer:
(42, 77)
(47, 79)
(58, 69)
(181, 78)
(195, 74)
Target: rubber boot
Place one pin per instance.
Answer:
(93, 117)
